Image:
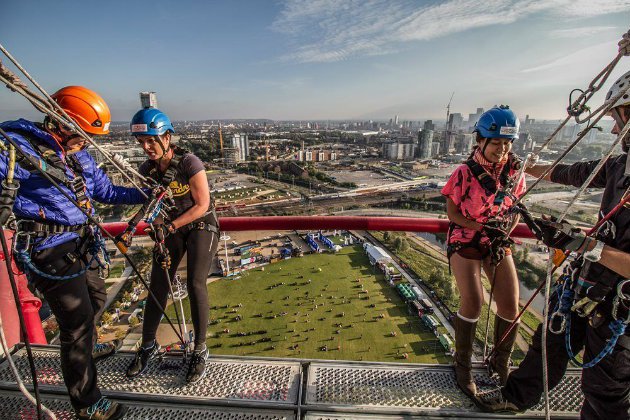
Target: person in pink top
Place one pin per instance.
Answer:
(478, 196)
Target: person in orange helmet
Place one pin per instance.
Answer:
(61, 257)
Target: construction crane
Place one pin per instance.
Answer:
(448, 111)
(221, 140)
(447, 131)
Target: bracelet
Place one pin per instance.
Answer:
(594, 254)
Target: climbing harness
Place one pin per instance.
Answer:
(94, 246)
(564, 307)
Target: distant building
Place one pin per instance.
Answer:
(240, 142)
(455, 121)
(316, 155)
(398, 151)
(463, 143)
(435, 148)
(428, 125)
(425, 138)
(473, 118)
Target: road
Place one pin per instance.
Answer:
(437, 307)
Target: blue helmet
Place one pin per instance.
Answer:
(150, 122)
(498, 122)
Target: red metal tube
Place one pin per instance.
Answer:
(405, 224)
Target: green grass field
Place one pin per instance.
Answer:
(294, 309)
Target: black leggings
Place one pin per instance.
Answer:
(200, 247)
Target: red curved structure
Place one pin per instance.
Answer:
(30, 304)
(403, 224)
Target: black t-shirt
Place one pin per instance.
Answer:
(612, 179)
(189, 165)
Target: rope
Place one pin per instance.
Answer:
(485, 341)
(67, 121)
(18, 379)
(618, 328)
(94, 221)
(18, 305)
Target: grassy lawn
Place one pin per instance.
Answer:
(116, 270)
(299, 307)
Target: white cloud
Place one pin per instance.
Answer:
(577, 59)
(580, 31)
(332, 30)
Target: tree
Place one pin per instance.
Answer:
(106, 319)
(401, 244)
(386, 236)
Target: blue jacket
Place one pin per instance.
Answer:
(38, 199)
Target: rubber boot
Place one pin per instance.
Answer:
(500, 360)
(464, 338)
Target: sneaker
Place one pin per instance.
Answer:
(104, 350)
(141, 361)
(495, 402)
(103, 409)
(197, 366)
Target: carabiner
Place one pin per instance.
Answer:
(16, 240)
(563, 323)
(622, 298)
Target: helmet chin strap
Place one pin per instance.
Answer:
(164, 150)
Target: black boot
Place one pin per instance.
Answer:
(197, 366)
(464, 338)
(500, 360)
(141, 361)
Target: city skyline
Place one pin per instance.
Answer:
(319, 59)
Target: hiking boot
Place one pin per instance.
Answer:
(103, 409)
(104, 350)
(495, 402)
(197, 366)
(464, 338)
(499, 363)
(141, 361)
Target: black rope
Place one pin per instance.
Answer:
(18, 304)
(92, 220)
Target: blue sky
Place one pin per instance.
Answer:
(316, 59)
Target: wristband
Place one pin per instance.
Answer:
(594, 254)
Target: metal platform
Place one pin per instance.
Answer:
(267, 388)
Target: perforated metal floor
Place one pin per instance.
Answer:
(251, 389)
(13, 406)
(426, 389)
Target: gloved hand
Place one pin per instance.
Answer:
(120, 161)
(493, 229)
(531, 160)
(162, 257)
(560, 235)
(156, 232)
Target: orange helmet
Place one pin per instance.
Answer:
(85, 107)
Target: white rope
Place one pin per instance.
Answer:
(16, 374)
(67, 121)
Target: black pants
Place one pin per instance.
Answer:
(77, 305)
(606, 386)
(200, 247)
